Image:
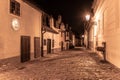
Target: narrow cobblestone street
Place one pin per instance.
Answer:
(76, 64)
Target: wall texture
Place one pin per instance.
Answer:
(107, 16)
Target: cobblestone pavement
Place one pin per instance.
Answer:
(76, 64)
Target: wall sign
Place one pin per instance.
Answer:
(15, 24)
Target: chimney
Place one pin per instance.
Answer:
(51, 21)
(59, 19)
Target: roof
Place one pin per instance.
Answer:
(50, 30)
(34, 6)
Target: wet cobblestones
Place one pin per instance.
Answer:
(76, 64)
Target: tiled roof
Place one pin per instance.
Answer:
(50, 30)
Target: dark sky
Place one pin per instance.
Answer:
(72, 11)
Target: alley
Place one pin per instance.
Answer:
(75, 64)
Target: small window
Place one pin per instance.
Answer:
(52, 43)
(44, 41)
(14, 7)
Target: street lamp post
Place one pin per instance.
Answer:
(87, 19)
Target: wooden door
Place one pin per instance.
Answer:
(67, 45)
(25, 48)
(48, 45)
(62, 46)
(36, 47)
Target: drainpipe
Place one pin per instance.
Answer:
(42, 44)
(42, 37)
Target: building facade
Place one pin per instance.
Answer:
(62, 35)
(51, 36)
(106, 28)
(27, 31)
(20, 32)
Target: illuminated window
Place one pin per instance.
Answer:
(14, 7)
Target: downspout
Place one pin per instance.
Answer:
(43, 30)
(42, 37)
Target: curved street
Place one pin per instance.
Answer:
(75, 64)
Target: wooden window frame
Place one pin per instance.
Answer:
(14, 7)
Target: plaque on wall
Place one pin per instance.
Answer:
(15, 24)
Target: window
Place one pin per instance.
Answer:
(44, 41)
(65, 36)
(67, 33)
(14, 7)
(52, 43)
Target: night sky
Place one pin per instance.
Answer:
(72, 11)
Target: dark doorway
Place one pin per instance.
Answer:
(25, 48)
(62, 46)
(48, 45)
(36, 47)
(67, 45)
